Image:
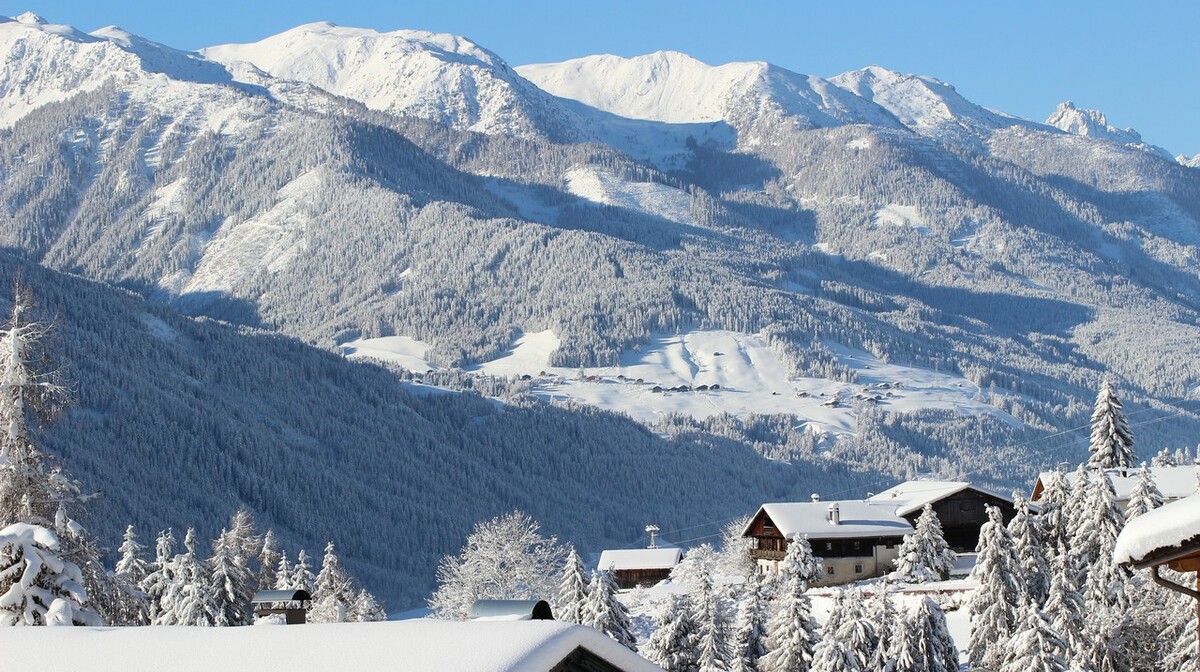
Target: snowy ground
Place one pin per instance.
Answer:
(745, 370)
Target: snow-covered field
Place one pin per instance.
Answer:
(726, 372)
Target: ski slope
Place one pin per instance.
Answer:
(742, 374)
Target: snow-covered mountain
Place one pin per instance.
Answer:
(784, 236)
(1091, 124)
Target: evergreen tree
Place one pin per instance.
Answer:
(1065, 606)
(1164, 459)
(1001, 592)
(1054, 516)
(882, 615)
(302, 577)
(1035, 645)
(672, 645)
(1093, 543)
(935, 649)
(734, 558)
(230, 581)
(857, 628)
(924, 555)
(834, 655)
(1026, 533)
(37, 586)
(161, 575)
(712, 627)
(572, 590)
(335, 594)
(366, 608)
(750, 636)
(792, 630)
(131, 566)
(605, 612)
(283, 573)
(268, 563)
(1145, 495)
(1112, 440)
(188, 600)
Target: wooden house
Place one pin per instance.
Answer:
(634, 567)
(1168, 536)
(1173, 482)
(960, 507)
(854, 539)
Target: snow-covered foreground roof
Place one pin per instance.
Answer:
(1172, 482)
(911, 496)
(1173, 526)
(856, 519)
(421, 644)
(640, 558)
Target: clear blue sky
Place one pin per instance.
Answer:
(1137, 61)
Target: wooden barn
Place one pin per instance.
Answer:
(634, 567)
(960, 507)
(854, 539)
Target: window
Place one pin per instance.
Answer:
(858, 569)
(767, 524)
(857, 545)
(829, 547)
(829, 570)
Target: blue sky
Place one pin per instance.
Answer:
(1139, 62)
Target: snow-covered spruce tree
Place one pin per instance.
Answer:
(1065, 607)
(335, 594)
(1182, 647)
(924, 555)
(302, 577)
(132, 566)
(1112, 440)
(993, 605)
(672, 645)
(268, 563)
(834, 655)
(1100, 523)
(130, 603)
(750, 634)
(504, 558)
(605, 612)
(792, 632)
(161, 575)
(1145, 495)
(1035, 645)
(366, 608)
(697, 562)
(1054, 516)
(1076, 506)
(734, 558)
(857, 628)
(38, 587)
(188, 599)
(283, 574)
(930, 647)
(572, 590)
(882, 613)
(31, 488)
(712, 627)
(1164, 458)
(1025, 529)
(231, 581)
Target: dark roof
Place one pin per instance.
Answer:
(537, 610)
(281, 596)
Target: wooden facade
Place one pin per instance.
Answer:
(844, 559)
(962, 514)
(632, 578)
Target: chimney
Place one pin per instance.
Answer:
(816, 497)
(835, 516)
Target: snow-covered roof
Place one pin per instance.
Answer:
(912, 496)
(419, 644)
(1174, 526)
(640, 558)
(857, 518)
(1173, 482)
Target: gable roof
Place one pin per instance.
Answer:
(640, 558)
(1172, 482)
(1168, 530)
(858, 518)
(912, 496)
(418, 644)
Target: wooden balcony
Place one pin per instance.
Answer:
(767, 554)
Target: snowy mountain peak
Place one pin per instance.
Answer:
(923, 104)
(1090, 123)
(29, 18)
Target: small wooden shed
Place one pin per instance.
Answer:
(292, 604)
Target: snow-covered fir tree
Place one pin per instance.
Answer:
(37, 586)
(161, 575)
(1093, 542)
(605, 612)
(1035, 645)
(1065, 607)
(132, 566)
(924, 555)
(993, 605)
(672, 644)
(231, 581)
(750, 634)
(504, 558)
(857, 628)
(1053, 515)
(302, 577)
(283, 573)
(572, 590)
(697, 562)
(188, 599)
(881, 612)
(1025, 529)
(1164, 458)
(1145, 495)
(834, 655)
(366, 608)
(712, 627)
(268, 562)
(936, 651)
(792, 632)
(1112, 439)
(335, 595)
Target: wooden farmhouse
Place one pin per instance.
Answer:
(1173, 482)
(960, 507)
(634, 567)
(854, 538)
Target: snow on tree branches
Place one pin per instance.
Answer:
(924, 555)
(1112, 440)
